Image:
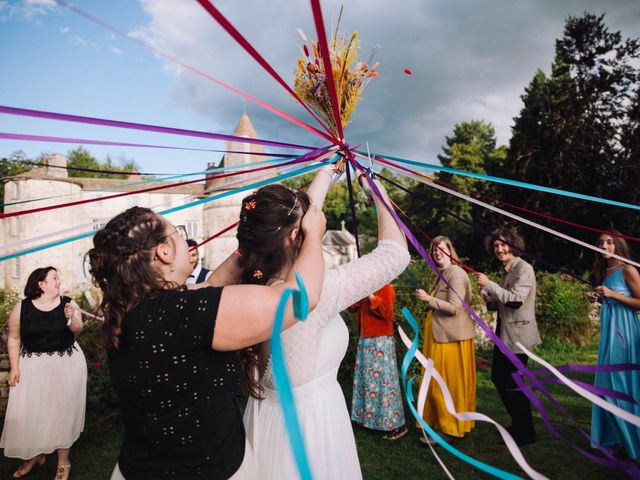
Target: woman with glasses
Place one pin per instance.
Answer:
(619, 291)
(171, 351)
(448, 340)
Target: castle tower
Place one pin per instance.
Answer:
(219, 214)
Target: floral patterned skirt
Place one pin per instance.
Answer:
(377, 398)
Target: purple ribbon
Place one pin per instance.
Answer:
(145, 127)
(521, 369)
(84, 141)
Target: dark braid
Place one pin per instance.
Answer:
(267, 218)
(120, 265)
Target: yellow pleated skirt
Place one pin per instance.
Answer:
(456, 363)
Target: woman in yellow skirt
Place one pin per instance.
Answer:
(448, 340)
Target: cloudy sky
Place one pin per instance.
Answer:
(471, 59)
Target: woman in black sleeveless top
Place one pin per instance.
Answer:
(48, 376)
(172, 351)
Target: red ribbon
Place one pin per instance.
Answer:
(173, 59)
(237, 36)
(326, 60)
(151, 189)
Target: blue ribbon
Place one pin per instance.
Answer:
(175, 209)
(506, 181)
(283, 384)
(172, 177)
(406, 361)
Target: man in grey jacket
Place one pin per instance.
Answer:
(514, 299)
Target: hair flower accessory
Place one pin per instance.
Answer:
(257, 274)
(250, 205)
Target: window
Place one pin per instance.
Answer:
(193, 229)
(98, 224)
(16, 268)
(15, 227)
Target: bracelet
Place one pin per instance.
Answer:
(324, 171)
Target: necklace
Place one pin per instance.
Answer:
(613, 266)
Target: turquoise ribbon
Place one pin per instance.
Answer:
(175, 209)
(283, 384)
(412, 278)
(506, 181)
(172, 177)
(406, 361)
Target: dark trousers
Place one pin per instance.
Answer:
(516, 402)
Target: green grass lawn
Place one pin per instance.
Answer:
(94, 455)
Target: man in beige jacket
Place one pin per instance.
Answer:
(514, 300)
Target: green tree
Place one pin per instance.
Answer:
(81, 158)
(472, 147)
(13, 165)
(573, 133)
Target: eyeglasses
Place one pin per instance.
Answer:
(182, 231)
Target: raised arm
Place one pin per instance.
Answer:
(355, 280)
(246, 312)
(387, 227)
(13, 345)
(321, 183)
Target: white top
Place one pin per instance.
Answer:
(191, 279)
(313, 351)
(316, 346)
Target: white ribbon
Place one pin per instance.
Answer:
(430, 371)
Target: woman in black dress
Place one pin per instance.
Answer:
(48, 376)
(172, 351)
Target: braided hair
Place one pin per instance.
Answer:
(267, 218)
(120, 265)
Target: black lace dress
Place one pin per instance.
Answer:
(46, 409)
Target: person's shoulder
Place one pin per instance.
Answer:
(457, 270)
(522, 265)
(629, 272)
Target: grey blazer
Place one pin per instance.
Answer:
(515, 300)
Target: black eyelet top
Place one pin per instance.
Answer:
(177, 393)
(44, 332)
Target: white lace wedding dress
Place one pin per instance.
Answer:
(313, 350)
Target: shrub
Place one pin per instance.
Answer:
(562, 310)
(101, 397)
(8, 299)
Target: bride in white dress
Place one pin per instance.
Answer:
(269, 238)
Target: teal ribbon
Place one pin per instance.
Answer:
(412, 278)
(172, 177)
(283, 384)
(175, 209)
(506, 181)
(406, 361)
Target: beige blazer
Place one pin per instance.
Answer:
(515, 299)
(451, 321)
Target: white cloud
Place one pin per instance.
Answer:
(64, 30)
(470, 60)
(27, 10)
(115, 50)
